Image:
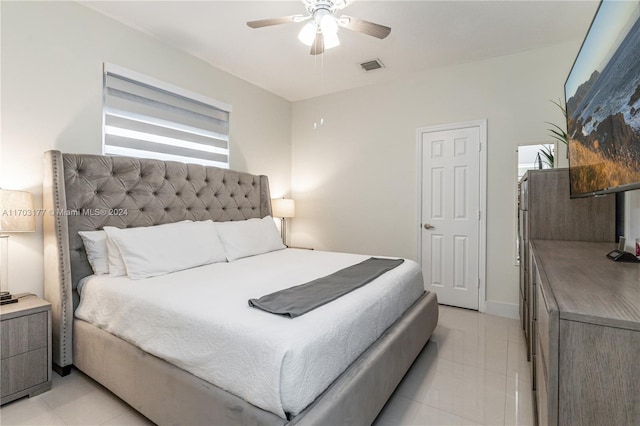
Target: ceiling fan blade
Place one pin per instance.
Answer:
(275, 21)
(365, 27)
(317, 47)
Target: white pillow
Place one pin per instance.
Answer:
(95, 244)
(116, 264)
(249, 237)
(162, 249)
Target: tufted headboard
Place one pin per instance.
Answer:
(86, 192)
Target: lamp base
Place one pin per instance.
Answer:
(283, 230)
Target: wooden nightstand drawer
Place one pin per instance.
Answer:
(25, 339)
(23, 334)
(24, 371)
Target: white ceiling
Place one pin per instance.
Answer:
(424, 35)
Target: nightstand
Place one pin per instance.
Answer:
(25, 348)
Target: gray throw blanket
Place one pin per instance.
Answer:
(299, 300)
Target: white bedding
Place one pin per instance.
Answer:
(199, 320)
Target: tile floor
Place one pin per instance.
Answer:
(473, 371)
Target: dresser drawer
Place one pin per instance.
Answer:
(542, 383)
(522, 271)
(522, 306)
(23, 334)
(542, 324)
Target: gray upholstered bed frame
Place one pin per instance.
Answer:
(87, 192)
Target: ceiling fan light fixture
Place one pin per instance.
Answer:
(328, 25)
(331, 40)
(321, 32)
(308, 33)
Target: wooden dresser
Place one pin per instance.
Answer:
(587, 322)
(546, 212)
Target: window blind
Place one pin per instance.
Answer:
(143, 117)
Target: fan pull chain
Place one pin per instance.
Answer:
(315, 123)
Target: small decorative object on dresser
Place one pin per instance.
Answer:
(25, 335)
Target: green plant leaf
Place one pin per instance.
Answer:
(547, 155)
(558, 133)
(561, 106)
(559, 130)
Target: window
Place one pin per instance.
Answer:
(144, 117)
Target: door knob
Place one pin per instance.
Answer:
(427, 226)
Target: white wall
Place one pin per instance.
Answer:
(632, 218)
(52, 56)
(355, 180)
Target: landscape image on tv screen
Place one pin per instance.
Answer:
(603, 104)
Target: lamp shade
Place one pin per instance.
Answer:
(283, 207)
(16, 211)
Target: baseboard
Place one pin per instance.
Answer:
(502, 309)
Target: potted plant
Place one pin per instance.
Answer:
(546, 155)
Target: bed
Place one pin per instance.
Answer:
(153, 192)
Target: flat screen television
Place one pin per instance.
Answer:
(602, 95)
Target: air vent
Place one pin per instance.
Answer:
(371, 65)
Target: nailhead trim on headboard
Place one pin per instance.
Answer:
(63, 273)
(57, 276)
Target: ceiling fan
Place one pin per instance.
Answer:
(321, 32)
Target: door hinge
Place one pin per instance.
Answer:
(478, 282)
(479, 214)
(479, 146)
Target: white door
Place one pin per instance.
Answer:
(450, 228)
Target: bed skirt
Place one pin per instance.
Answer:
(169, 395)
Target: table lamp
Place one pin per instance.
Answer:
(283, 208)
(16, 215)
